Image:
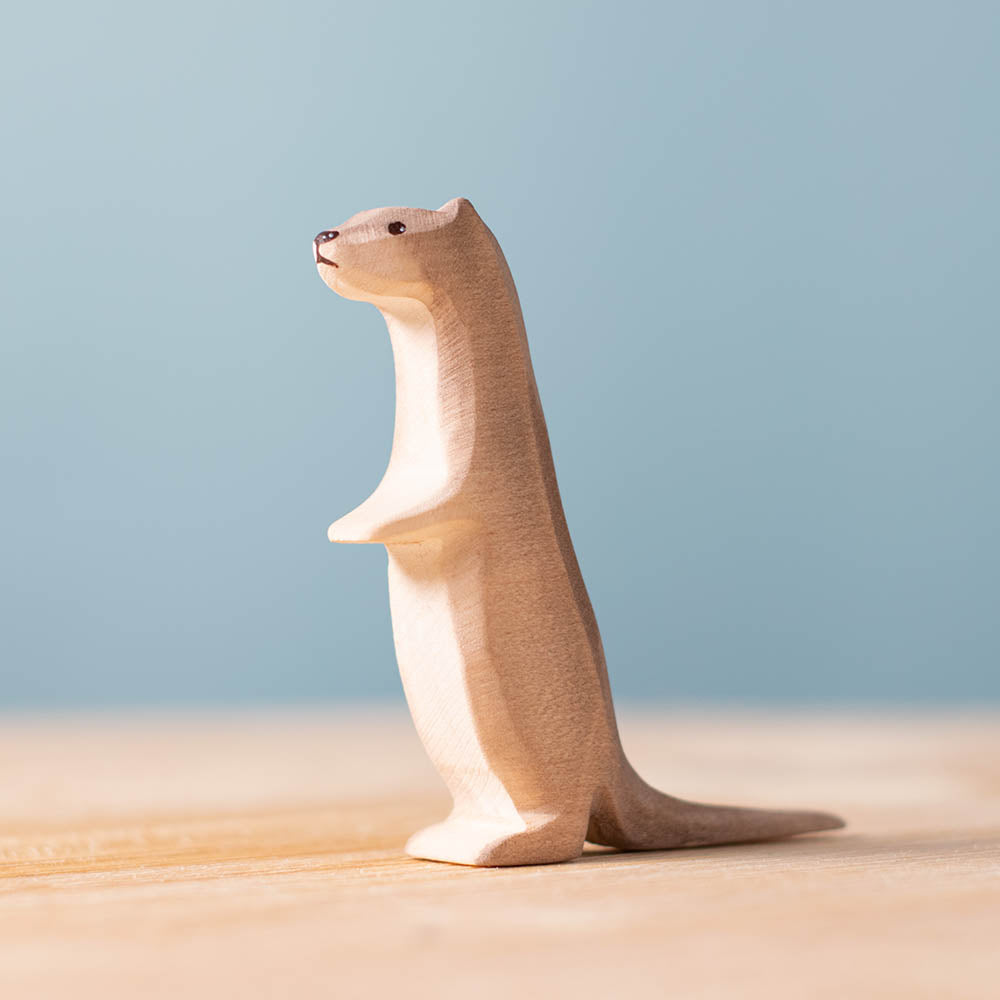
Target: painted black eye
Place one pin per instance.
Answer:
(397, 228)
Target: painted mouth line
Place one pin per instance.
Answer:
(320, 259)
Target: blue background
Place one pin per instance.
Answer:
(757, 249)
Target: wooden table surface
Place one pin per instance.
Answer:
(259, 855)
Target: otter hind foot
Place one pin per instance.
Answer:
(531, 839)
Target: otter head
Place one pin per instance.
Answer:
(393, 252)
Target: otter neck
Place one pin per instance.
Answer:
(464, 388)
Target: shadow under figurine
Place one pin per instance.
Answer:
(497, 643)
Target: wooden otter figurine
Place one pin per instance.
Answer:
(497, 643)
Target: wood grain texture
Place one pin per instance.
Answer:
(261, 855)
(497, 643)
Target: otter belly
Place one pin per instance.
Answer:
(499, 675)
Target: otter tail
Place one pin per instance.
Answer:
(631, 815)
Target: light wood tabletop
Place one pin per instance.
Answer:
(259, 854)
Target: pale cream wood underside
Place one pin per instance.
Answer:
(261, 855)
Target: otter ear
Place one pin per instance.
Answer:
(456, 208)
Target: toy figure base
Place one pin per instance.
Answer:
(487, 844)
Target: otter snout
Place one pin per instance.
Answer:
(324, 237)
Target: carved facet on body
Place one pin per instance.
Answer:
(498, 647)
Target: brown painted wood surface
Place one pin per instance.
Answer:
(261, 855)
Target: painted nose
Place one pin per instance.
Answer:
(321, 238)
